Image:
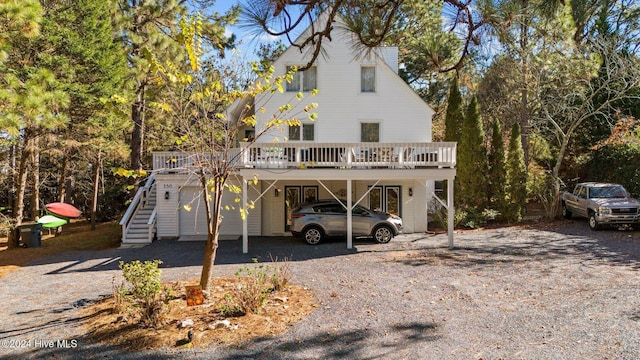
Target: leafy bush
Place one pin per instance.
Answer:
(146, 296)
(439, 216)
(618, 164)
(477, 219)
(616, 159)
(249, 294)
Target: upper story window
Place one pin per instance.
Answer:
(303, 80)
(370, 132)
(304, 132)
(368, 79)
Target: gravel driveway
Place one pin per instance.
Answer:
(540, 292)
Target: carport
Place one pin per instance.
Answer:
(348, 175)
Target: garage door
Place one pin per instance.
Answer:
(194, 223)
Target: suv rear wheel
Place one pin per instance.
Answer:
(382, 234)
(312, 235)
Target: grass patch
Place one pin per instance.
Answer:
(76, 235)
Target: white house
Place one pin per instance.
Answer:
(370, 145)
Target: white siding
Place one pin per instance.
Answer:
(174, 222)
(390, 56)
(404, 117)
(167, 209)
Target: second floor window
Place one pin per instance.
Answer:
(303, 80)
(368, 79)
(305, 132)
(370, 132)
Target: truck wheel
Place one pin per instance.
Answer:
(565, 212)
(593, 223)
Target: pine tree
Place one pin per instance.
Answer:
(497, 172)
(454, 118)
(149, 30)
(516, 176)
(90, 61)
(472, 160)
(30, 94)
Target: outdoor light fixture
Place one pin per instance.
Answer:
(166, 195)
(410, 191)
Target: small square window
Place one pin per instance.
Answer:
(294, 132)
(370, 132)
(304, 132)
(305, 80)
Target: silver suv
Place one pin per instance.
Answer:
(315, 220)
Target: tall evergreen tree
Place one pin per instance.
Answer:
(454, 118)
(32, 100)
(92, 64)
(149, 30)
(497, 171)
(472, 160)
(516, 176)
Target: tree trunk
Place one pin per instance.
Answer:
(35, 170)
(96, 187)
(524, 114)
(18, 208)
(137, 116)
(12, 165)
(62, 183)
(213, 227)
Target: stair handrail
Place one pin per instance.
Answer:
(152, 224)
(125, 222)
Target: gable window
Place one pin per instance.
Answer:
(304, 132)
(302, 80)
(369, 132)
(368, 79)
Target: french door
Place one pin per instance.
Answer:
(385, 198)
(294, 196)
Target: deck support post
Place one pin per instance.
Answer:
(450, 211)
(245, 226)
(349, 216)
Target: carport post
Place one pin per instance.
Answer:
(349, 216)
(245, 226)
(450, 211)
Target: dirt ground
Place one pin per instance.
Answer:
(207, 324)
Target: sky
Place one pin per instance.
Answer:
(247, 43)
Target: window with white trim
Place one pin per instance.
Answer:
(369, 132)
(305, 80)
(368, 79)
(304, 132)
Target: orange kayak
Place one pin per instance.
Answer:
(63, 210)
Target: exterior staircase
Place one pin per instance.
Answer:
(139, 221)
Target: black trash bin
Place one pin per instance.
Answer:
(31, 234)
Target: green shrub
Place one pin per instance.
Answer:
(146, 295)
(618, 163)
(440, 216)
(476, 219)
(257, 282)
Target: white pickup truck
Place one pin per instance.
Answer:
(603, 204)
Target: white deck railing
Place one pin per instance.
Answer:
(322, 155)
